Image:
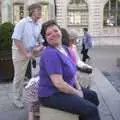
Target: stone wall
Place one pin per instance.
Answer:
(101, 35)
(6, 10)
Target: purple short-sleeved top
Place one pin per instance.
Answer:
(52, 61)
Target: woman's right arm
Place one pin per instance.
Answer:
(63, 86)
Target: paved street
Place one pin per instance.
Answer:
(103, 58)
(7, 110)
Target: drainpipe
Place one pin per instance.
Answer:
(55, 9)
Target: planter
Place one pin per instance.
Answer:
(6, 66)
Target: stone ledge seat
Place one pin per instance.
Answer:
(54, 114)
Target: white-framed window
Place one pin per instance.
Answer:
(77, 13)
(45, 7)
(21, 13)
(45, 10)
(18, 12)
(112, 13)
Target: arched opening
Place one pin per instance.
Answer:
(112, 13)
(77, 13)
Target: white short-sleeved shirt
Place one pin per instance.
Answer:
(27, 31)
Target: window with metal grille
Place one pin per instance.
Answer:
(45, 8)
(112, 13)
(77, 13)
(21, 12)
(45, 11)
(18, 12)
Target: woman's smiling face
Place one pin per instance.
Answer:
(53, 35)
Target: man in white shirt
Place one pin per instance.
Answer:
(26, 39)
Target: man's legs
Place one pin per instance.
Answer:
(18, 81)
(20, 65)
(73, 104)
(28, 73)
(85, 55)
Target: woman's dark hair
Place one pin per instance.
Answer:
(65, 37)
(45, 25)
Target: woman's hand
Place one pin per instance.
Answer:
(63, 86)
(29, 55)
(38, 48)
(80, 93)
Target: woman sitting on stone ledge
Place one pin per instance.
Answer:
(57, 86)
(69, 40)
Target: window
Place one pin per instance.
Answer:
(45, 11)
(21, 13)
(18, 12)
(77, 13)
(45, 8)
(75, 1)
(112, 13)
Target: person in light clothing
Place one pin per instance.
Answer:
(26, 40)
(86, 44)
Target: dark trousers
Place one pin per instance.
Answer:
(85, 53)
(86, 107)
(28, 73)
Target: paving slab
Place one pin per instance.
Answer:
(104, 111)
(109, 94)
(13, 115)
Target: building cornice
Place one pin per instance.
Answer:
(18, 3)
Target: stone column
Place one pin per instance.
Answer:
(95, 17)
(6, 11)
(62, 12)
(51, 10)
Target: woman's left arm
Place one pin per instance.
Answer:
(77, 84)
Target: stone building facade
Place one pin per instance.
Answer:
(5, 10)
(102, 34)
(102, 17)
